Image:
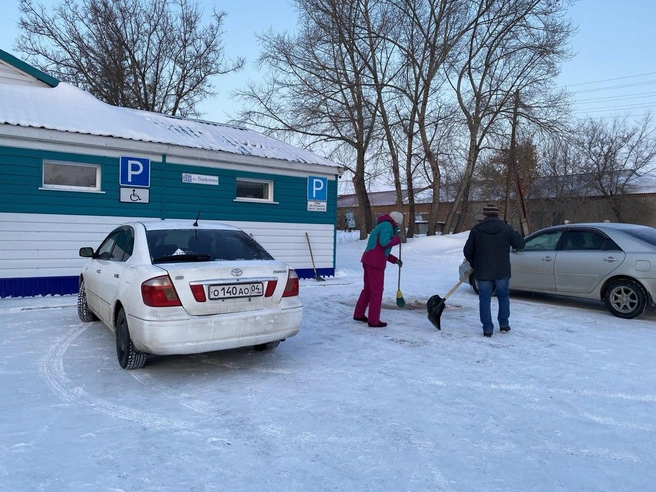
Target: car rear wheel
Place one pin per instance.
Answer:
(82, 307)
(625, 298)
(474, 284)
(267, 346)
(128, 356)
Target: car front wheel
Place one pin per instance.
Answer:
(82, 307)
(625, 298)
(128, 356)
(267, 346)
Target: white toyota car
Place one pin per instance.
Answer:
(177, 287)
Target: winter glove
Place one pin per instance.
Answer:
(399, 262)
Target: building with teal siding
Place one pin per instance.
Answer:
(73, 167)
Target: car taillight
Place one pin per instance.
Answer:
(199, 293)
(270, 288)
(291, 288)
(159, 292)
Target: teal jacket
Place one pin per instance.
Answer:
(381, 241)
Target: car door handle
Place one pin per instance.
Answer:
(116, 275)
(547, 258)
(610, 259)
(97, 271)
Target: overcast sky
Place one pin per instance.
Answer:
(614, 70)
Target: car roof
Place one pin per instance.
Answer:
(596, 225)
(164, 225)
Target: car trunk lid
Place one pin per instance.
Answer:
(228, 286)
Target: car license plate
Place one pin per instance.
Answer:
(233, 291)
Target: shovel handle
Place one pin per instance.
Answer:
(464, 277)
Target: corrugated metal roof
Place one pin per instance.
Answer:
(66, 108)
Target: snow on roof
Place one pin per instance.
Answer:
(69, 109)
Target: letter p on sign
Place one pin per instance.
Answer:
(135, 171)
(317, 189)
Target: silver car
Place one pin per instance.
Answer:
(615, 263)
(173, 287)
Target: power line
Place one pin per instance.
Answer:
(612, 87)
(612, 80)
(624, 98)
(627, 107)
(614, 98)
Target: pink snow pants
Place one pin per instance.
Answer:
(371, 295)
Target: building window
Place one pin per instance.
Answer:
(71, 176)
(253, 189)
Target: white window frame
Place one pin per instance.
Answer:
(269, 190)
(52, 186)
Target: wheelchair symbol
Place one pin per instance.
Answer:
(134, 197)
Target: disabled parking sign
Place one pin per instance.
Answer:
(134, 171)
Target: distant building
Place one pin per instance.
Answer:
(547, 205)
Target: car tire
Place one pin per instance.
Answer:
(267, 346)
(625, 298)
(128, 356)
(82, 307)
(474, 284)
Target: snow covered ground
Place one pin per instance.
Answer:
(565, 401)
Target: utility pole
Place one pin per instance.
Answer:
(513, 171)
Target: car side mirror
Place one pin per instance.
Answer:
(86, 252)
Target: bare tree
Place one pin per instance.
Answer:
(318, 86)
(429, 31)
(558, 191)
(614, 155)
(144, 54)
(514, 45)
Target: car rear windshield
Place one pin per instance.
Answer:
(646, 234)
(203, 245)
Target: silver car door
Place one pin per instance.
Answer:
(583, 263)
(533, 267)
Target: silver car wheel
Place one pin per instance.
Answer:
(625, 298)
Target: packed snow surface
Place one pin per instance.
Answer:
(565, 401)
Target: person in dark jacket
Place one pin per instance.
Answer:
(374, 260)
(488, 252)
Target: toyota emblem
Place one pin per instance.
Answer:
(236, 272)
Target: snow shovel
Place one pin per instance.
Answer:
(436, 304)
(316, 276)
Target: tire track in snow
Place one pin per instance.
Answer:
(185, 399)
(604, 394)
(593, 453)
(51, 367)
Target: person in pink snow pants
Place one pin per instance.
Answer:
(374, 260)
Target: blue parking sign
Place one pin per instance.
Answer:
(135, 171)
(317, 189)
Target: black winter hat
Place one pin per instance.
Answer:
(490, 210)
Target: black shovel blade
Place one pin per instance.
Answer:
(435, 307)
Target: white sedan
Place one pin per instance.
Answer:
(615, 263)
(176, 287)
